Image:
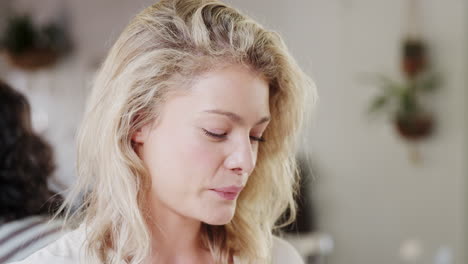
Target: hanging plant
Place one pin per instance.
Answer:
(29, 47)
(402, 99)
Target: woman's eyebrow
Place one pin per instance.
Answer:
(235, 117)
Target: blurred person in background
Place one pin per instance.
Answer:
(186, 153)
(26, 162)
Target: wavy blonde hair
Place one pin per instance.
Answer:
(160, 53)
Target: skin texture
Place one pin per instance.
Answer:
(205, 139)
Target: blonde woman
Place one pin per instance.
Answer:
(186, 151)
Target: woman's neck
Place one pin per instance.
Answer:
(176, 238)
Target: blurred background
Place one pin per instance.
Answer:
(386, 154)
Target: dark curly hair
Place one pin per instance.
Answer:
(26, 161)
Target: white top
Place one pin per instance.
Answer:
(66, 250)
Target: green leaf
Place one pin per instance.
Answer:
(378, 103)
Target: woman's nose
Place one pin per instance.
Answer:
(242, 158)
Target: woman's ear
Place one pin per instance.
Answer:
(142, 134)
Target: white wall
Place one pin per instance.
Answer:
(369, 197)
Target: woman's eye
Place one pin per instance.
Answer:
(211, 134)
(224, 135)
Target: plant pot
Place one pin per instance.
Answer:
(414, 127)
(414, 57)
(32, 59)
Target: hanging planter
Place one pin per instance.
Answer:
(414, 57)
(414, 127)
(32, 59)
(402, 99)
(29, 48)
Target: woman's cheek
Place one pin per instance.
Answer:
(204, 155)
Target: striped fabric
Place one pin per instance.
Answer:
(21, 238)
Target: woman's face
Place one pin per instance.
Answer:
(202, 149)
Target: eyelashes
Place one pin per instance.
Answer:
(224, 135)
(219, 136)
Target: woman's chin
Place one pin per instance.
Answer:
(219, 218)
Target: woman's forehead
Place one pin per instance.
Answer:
(235, 93)
(232, 87)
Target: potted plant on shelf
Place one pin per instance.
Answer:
(29, 47)
(403, 100)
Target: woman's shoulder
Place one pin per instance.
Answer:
(66, 250)
(284, 252)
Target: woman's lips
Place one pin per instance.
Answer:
(228, 193)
